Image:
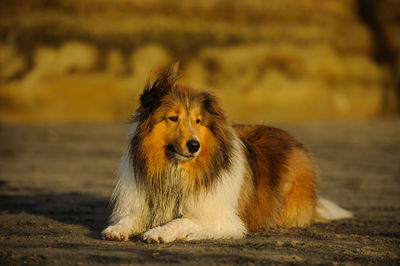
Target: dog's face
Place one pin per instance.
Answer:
(180, 126)
(183, 129)
(177, 123)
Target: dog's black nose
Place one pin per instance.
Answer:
(193, 145)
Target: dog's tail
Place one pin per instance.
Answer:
(327, 210)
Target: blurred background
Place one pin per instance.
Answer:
(275, 60)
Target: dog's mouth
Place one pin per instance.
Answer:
(180, 156)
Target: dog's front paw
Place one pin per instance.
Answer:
(115, 233)
(159, 234)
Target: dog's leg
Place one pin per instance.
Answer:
(178, 229)
(130, 209)
(191, 229)
(129, 217)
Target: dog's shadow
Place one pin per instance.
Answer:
(71, 208)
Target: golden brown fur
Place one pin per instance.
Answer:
(281, 187)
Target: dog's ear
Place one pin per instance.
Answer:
(152, 93)
(211, 105)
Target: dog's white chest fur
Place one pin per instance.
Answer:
(166, 200)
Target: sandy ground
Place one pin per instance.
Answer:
(55, 182)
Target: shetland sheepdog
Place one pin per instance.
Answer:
(189, 174)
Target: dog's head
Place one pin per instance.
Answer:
(178, 122)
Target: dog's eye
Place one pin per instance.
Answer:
(173, 118)
(198, 121)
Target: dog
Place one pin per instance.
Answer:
(188, 174)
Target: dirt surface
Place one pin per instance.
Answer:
(55, 182)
